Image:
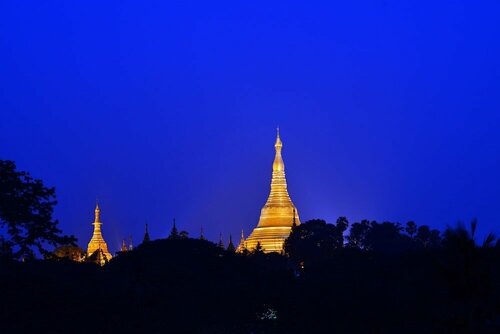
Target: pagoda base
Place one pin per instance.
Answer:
(271, 238)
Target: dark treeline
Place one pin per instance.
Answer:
(365, 277)
(379, 278)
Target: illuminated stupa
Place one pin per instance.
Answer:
(278, 214)
(97, 242)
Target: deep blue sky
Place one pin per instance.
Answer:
(389, 110)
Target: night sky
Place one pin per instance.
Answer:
(388, 110)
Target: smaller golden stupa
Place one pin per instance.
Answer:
(97, 242)
(242, 245)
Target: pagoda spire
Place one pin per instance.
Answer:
(221, 242)
(278, 197)
(97, 241)
(279, 213)
(97, 219)
(230, 246)
(241, 247)
(202, 237)
(124, 246)
(146, 235)
(174, 234)
(278, 164)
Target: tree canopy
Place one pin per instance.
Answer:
(316, 240)
(194, 286)
(26, 208)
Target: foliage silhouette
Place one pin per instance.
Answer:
(194, 286)
(313, 240)
(357, 235)
(26, 208)
(258, 250)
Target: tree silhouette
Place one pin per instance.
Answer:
(314, 240)
(468, 275)
(26, 208)
(450, 289)
(341, 226)
(489, 240)
(426, 237)
(6, 247)
(411, 228)
(357, 234)
(386, 237)
(258, 249)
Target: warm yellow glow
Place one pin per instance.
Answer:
(278, 214)
(97, 240)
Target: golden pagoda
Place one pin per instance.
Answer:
(97, 242)
(242, 246)
(278, 214)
